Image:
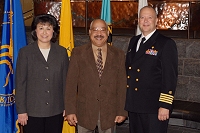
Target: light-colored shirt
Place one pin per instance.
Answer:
(45, 53)
(146, 37)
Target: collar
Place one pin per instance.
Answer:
(103, 48)
(148, 36)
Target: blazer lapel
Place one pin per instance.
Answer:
(52, 53)
(91, 60)
(37, 53)
(108, 63)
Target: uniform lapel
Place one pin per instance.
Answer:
(132, 50)
(150, 42)
(140, 52)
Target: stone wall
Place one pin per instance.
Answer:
(188, 69)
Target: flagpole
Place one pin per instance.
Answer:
(11, 31)
(86, 16)
(106, 16)
(141, 4)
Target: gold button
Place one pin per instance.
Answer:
(170, 92)
(127, 86)
(129, 68)
(138, 70)
(128, 77)
(136, 89)
(136, 79)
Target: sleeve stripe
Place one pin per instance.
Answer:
(166, 98)
(165, 101)
(166, 95)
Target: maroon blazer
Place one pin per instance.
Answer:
(86, 95)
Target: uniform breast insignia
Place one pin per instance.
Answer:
(151, 51)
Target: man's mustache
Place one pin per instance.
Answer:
(98, 36)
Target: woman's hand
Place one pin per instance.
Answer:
(23, 118)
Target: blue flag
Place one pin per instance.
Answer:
(13, 38)
(106, 16)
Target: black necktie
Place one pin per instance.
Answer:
(141, 43)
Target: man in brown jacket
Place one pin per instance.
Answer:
(96, 84)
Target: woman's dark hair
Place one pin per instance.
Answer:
(45, 18)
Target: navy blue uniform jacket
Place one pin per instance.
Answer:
(151, 74)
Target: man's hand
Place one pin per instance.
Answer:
(23, 118)
(163, 114)
(72, 120)
(119, 119)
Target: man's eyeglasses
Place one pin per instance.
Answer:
(96, 29)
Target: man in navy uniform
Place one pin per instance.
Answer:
(151, 64)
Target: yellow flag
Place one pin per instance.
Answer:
(67, 128)
(66, 40)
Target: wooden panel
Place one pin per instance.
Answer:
(172, 14)
(27, 7)
(195, 19)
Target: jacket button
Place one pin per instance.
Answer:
(127, 86)
(138, 70)
(46, 79)
(136, 89)
(137, 80)
(47, 67)
(47, 103)
(129, 68)
(128, 77)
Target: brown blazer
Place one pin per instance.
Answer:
(87, 95)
